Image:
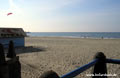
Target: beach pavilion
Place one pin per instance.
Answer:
(17, 35)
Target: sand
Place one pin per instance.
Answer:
(63, 55)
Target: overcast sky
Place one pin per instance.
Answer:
(61, 15)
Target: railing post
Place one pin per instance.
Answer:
(13, 62)
(2, 55)
(100, 69)
(3, 66)
(11, 50)
(49, 74)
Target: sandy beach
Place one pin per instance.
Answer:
(63, 55)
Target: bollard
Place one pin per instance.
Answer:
(14, 68)
(3, 66)
(17, 68)
(100, 69)
(11, 50)
(4, 73)
(49, 74)
(13, 62)
(2, 55)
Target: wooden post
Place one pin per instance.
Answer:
(14, 67)
(2, 55)
(17, 69)
(100, 69)
(13, 62)
(49, 74)
(3, 66)
(11, 50)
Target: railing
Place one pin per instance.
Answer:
(10, 66)
(79, 70)
(99, 68)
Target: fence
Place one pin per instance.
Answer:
(99, 69)
(10, 66)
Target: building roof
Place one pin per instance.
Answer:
(12, 32)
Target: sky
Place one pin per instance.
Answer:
(61, 15)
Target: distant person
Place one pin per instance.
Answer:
(102, 37)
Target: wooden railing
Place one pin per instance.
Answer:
(98, 64)
(10, 66)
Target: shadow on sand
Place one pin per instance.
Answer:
(29, 49)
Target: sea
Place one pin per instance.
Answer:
(105, 35)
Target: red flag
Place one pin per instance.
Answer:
(9, 14)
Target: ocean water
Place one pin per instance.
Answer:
(76, 34)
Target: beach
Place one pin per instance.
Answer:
(62, 55)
